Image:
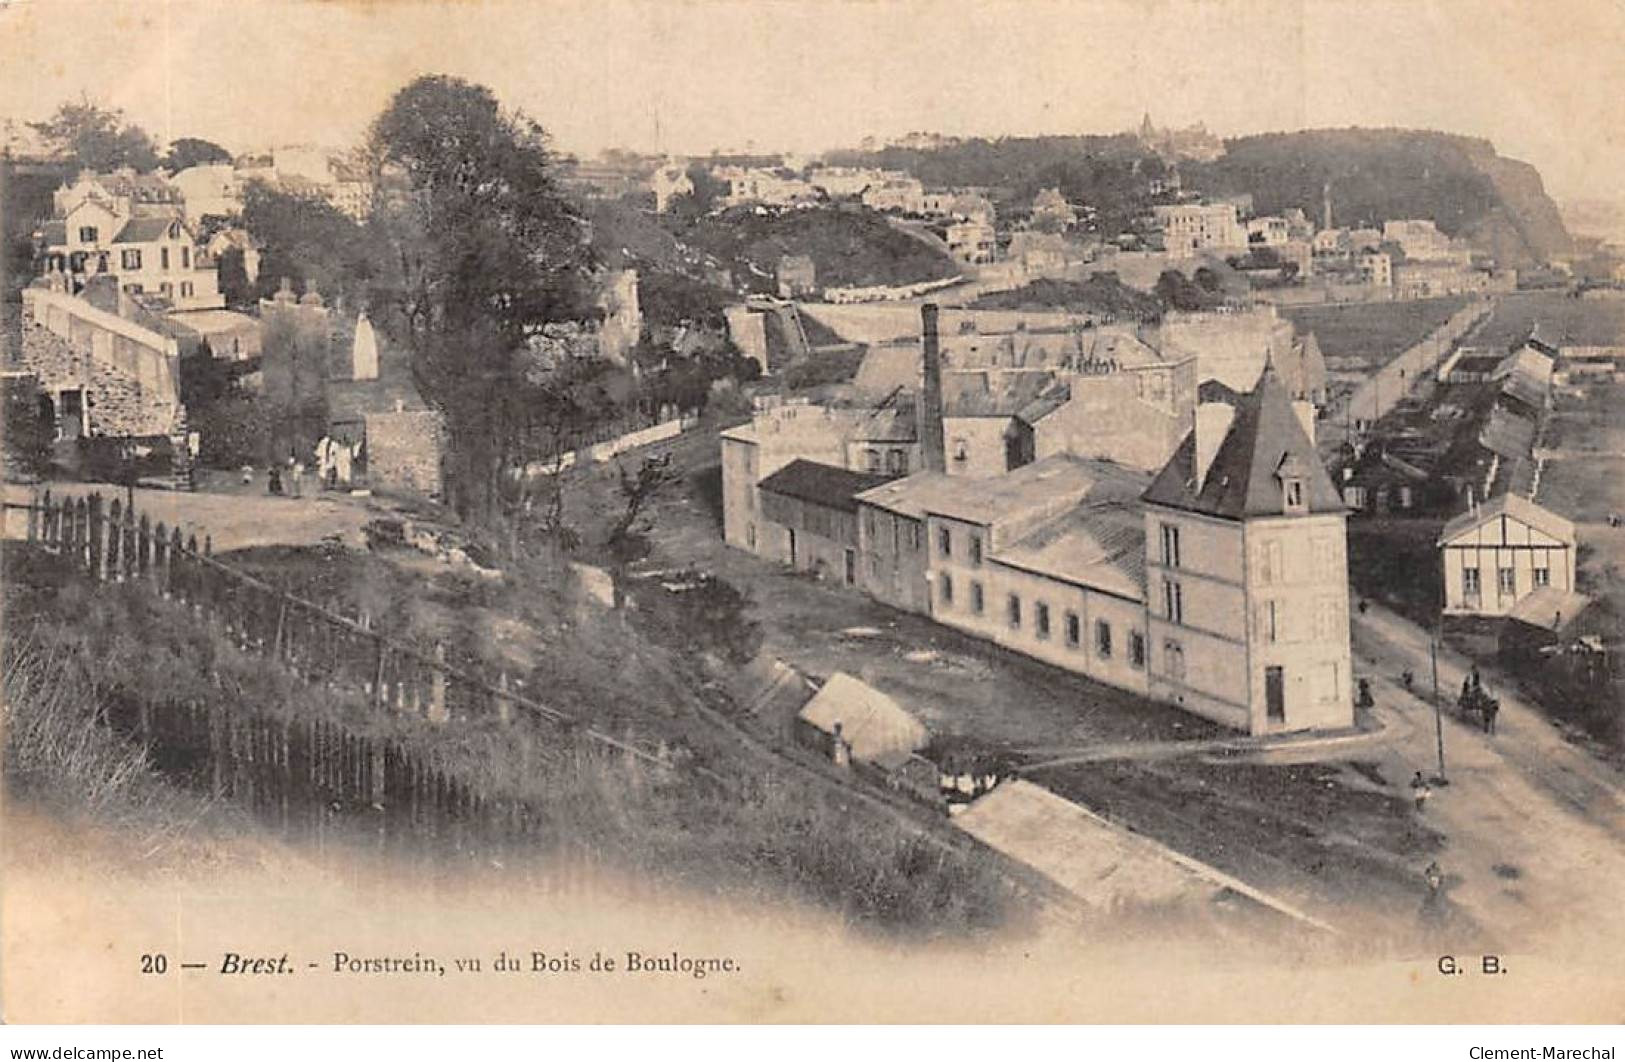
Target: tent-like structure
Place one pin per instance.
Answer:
(873, 726)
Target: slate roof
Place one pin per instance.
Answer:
(913, 496)
(1507, 433)
(985, 394)
(826, 485)
(1101, 546)
(1241, 481)
(1058, 481)
(145, 230)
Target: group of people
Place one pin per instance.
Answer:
(335, 464)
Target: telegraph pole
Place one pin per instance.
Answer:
(1438, 709)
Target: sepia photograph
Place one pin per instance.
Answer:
(813, 512)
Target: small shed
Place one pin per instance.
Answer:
(851, 718)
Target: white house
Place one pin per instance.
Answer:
(1496, 554)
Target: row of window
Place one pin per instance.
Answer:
(945, 545)
(871, 527)
(896, 461)
(165, 288)
(1041, 621)
(1506, 580)
(130, 258)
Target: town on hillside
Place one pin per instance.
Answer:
(1140, 536)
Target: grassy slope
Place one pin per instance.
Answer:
(1100, 294)
(849, 247)
(760, 836)
(1373, 332)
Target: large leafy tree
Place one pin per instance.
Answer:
(191, 151)
(482, 249)
(307, 240)
(97, 138)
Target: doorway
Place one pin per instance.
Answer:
(1275, 695)
(72, 419)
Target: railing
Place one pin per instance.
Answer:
(112, 543)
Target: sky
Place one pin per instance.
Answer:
(1542, 80)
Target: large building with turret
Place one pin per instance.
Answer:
(1215, 579)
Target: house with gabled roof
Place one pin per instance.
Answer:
(1496, 555)
(130, 227)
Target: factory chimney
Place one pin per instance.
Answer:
(933, 453)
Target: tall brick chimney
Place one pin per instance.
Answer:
(933, 452)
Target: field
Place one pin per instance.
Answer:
(1361, 336)
(1584, 489)
(1585, 480)
(1561, 320)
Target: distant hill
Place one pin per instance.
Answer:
(1375, 175)
(1102, 294)
(1378, 174)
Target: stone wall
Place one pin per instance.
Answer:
(403, 451)
(120, 403)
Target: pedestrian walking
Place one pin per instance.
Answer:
(298, 479)
(273, 481)
(1420, 791)
(1492, 708)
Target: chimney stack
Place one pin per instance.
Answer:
(933, 450)
(1306, 418)
(1213, 421)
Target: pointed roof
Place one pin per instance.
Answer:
(1516, 506)
(1243, 481)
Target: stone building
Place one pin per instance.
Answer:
(1219, 585)
(1247, 572)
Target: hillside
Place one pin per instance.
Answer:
(1101, 294)
(1378, 174)
(849, 247)
(1374, 174)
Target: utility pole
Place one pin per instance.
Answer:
(1438, 709)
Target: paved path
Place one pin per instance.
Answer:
(233, 521)
(1287, 748)
(1534, 824)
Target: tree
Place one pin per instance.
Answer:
(307, 240)
(708, 190)
(637, 490)
(191, 151)
(28, 429)
(97, 138)
(483, 250)
(1177, 291)
(293, 358)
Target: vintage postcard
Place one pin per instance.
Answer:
(1095, 511)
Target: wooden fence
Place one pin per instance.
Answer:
(112, 543)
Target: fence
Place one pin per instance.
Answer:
(112, 543)
(1391, 383)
